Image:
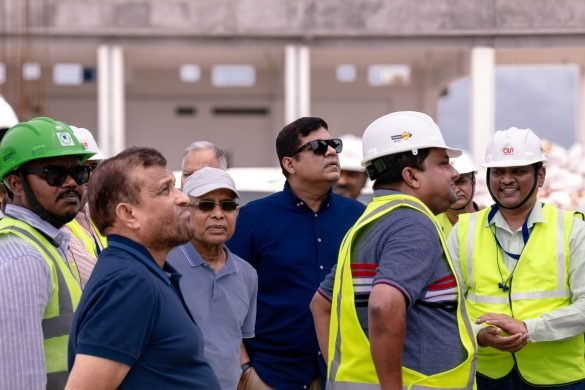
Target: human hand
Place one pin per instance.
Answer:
(506, 323)
(491, 336)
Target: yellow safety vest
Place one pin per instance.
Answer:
(540, 284)
(65, 295)
(350, 364)
(86, 239)
(445, 223)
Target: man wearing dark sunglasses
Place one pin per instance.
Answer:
(219, 287)
(292, 238)
(40, 166)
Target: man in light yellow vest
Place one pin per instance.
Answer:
(86, 241)
(394, 317)
(522, 264)
(40, 166)
(464, 189)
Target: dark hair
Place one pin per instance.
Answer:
(112, 183)
(395, 164)
(288, 140)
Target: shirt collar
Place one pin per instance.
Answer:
(299, 203)
(140, 253)
(57, 237)
(536, 216)
(195, 259)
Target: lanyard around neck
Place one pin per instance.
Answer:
(525, 233)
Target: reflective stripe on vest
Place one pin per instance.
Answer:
(59, 312)
(350, 362)
(79, 232)
(540, 284)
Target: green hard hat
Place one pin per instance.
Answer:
(36, 139)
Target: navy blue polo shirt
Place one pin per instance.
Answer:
(132, 312)
(292, 249)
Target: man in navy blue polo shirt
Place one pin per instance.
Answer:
(292, 238)
(132, 329)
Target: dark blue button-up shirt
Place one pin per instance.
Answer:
(292, 248)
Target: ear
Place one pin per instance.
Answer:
(125, 214)
(13, 183)
(289, 165)
(410, 177)
(540, 177)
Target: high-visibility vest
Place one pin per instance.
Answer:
(539, 284)
(94, 243)
(350, 364)
(445, 223)
(65, 295)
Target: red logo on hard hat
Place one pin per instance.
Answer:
(508, 150)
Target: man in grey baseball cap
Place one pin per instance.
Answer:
(219, 287)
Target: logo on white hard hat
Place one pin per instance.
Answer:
(65, 139)
(508, 150)
(404, 136)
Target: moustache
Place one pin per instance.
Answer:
(68, 193)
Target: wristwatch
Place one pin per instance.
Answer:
(245, 366)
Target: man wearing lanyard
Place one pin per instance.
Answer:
(523, 267)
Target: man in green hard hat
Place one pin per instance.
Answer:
(40, 167)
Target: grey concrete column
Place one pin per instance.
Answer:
(482, 101)
(111, 104)
(580, 136)
(297, 83)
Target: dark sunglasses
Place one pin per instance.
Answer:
(209, 205)
(320, 146)
(55, 175)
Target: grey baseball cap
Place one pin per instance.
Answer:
(209, 179)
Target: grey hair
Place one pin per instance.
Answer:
(206, 145)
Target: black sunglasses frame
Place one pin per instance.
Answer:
(320, 146)
(56, 175)
(225, 205)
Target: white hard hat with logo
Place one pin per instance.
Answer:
(463, 164)
(7, 116)
(350, 158)
(514, 148)
(402, 131)
(86, 139)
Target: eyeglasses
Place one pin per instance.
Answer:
(209, 205)
(320, 146)
(55, 175)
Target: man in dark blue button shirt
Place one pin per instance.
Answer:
(132, 329)
(292, 238)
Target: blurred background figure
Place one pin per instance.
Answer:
(464, 189)
(201, 154)
(86, 241)
(7, 120)
(353, 176)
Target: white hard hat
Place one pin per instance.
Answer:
(351, 157)
(86, 139)
(514, 148)
(400, 132)
(7, 116)
(463, 164)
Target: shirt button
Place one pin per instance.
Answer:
(316, 215)
(304, 386)
(318, 240)
(321, 268)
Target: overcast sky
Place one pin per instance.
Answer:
(541, 98)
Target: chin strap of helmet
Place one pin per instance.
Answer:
(537, 167)
(37, 208)
(471, 197)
